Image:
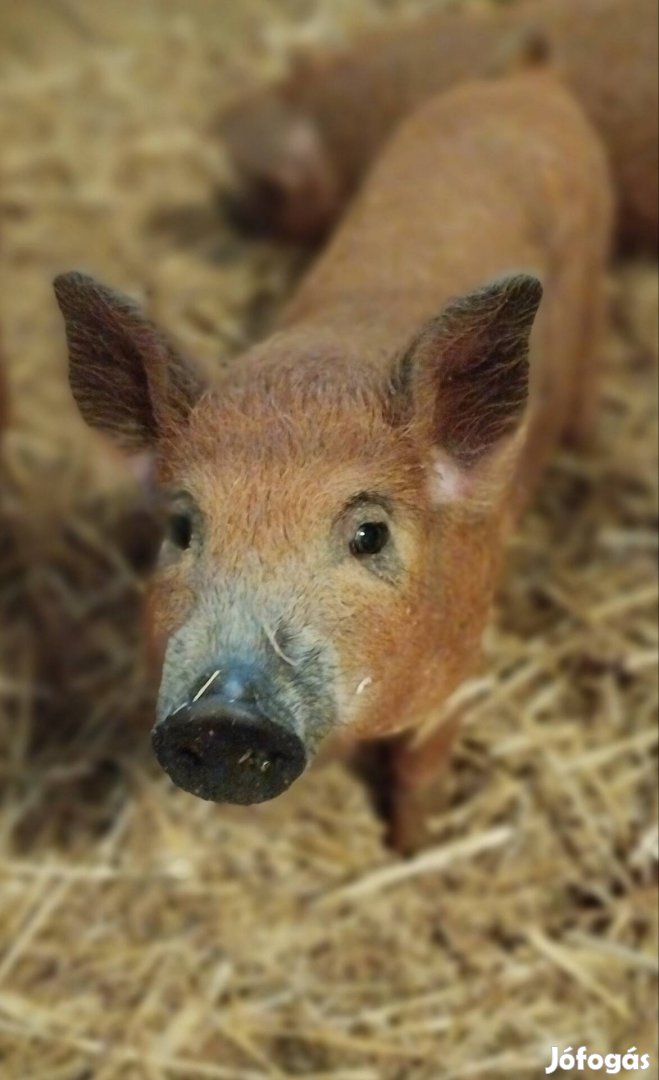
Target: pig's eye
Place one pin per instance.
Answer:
(369, 538)
(179, 530)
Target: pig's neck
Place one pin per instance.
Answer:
(372, 327)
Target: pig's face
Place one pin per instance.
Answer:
(294, 554)
(326, 562)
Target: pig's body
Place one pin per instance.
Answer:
(340, 502)
(301, 148)
(485, 179)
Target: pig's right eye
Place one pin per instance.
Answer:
(179, 530)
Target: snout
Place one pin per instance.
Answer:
(228, 751)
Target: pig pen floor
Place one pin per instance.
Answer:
(147, 936)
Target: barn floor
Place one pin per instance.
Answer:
(145, 935)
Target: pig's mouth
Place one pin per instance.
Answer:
(228, 752)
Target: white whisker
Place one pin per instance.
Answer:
(208, 682)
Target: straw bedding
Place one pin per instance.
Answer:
(145, 935)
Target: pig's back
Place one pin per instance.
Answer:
(605, 50)
(608, 53)
(489, 178)
(356, 99)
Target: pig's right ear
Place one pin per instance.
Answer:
(126, 378)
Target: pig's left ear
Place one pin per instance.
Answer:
(464, 383)
(126, 378)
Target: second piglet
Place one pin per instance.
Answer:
(337, 505)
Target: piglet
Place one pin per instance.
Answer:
(337, 504)
(300, 148)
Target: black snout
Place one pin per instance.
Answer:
(228, 752)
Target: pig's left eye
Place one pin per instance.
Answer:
(369, 538)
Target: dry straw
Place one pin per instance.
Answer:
(148, 936)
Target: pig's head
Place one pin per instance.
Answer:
(330, 530)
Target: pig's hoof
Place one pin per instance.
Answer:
(226, 754)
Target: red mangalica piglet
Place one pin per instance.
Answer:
(300, 148)
(337, 505)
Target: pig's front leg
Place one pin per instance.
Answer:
(418, 784)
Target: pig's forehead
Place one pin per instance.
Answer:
(326, 424)
(291, 467)
(331, 445)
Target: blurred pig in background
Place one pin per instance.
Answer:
(301, 147)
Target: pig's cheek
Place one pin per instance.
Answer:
(355, 693)
(363, 663)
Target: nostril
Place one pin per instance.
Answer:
(189, 756)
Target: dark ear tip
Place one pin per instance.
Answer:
(70, 283)
(513, 296)
(523, 290)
